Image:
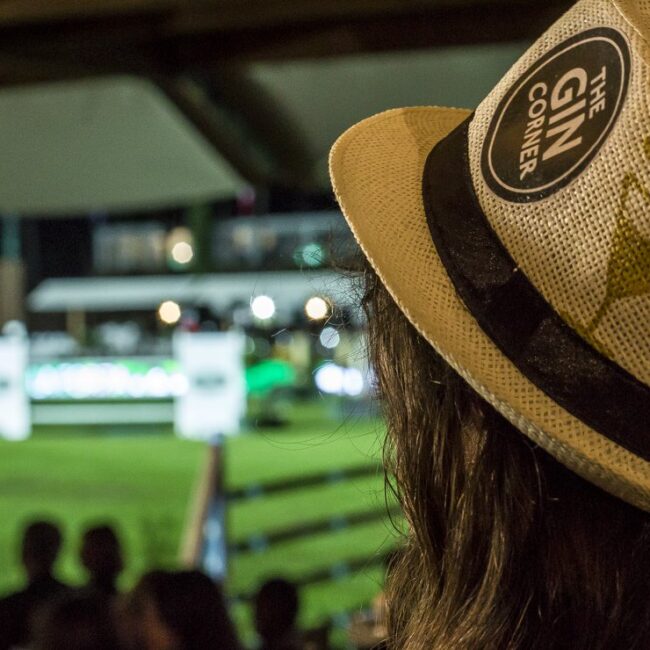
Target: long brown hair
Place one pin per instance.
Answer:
(506, 548)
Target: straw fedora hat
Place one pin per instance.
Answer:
(516, 238)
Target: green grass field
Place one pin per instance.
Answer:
(144, 484)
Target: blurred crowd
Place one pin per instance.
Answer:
(166, 610)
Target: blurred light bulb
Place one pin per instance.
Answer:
(353, 382)
(169, 312)
(329, 338)
(317, 308)
(263, 307)
(329, 379)
(182, 252)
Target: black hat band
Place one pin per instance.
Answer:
(516, 317)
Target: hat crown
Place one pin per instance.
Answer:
(560, 161)
(637, 12)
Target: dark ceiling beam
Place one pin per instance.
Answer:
(201, 15)
(93, 42)
(267, 123)
(140, 45)
(16, 70)
(220, 128)
(222, 15)
(458, 26)
(20, 12)
(238, 118)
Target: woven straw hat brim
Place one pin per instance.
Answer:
(376, 168)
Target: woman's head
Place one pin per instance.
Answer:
(182, 610)
(507, 548)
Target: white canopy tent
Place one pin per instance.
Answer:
(110, 144)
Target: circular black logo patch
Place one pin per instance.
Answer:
(553, 121)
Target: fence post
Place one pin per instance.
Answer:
(205, 543)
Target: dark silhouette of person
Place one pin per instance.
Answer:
(40, 547)
(276, 610)
(181, 610)
(101, 556)
(81, 620)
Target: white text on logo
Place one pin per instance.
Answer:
(555, 121)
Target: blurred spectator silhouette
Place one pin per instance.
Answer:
(181, 610)
(40, 547)
(78, 621)
(276, 611)
(101, 556)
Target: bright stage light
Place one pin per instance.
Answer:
(353, 382)
(329, 338)
(182, 252)
(336, 380)
(317, 308)
(263, 307)
(169, 312)
(329, 379)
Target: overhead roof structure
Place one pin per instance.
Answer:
(103, 144)
(269, 83)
